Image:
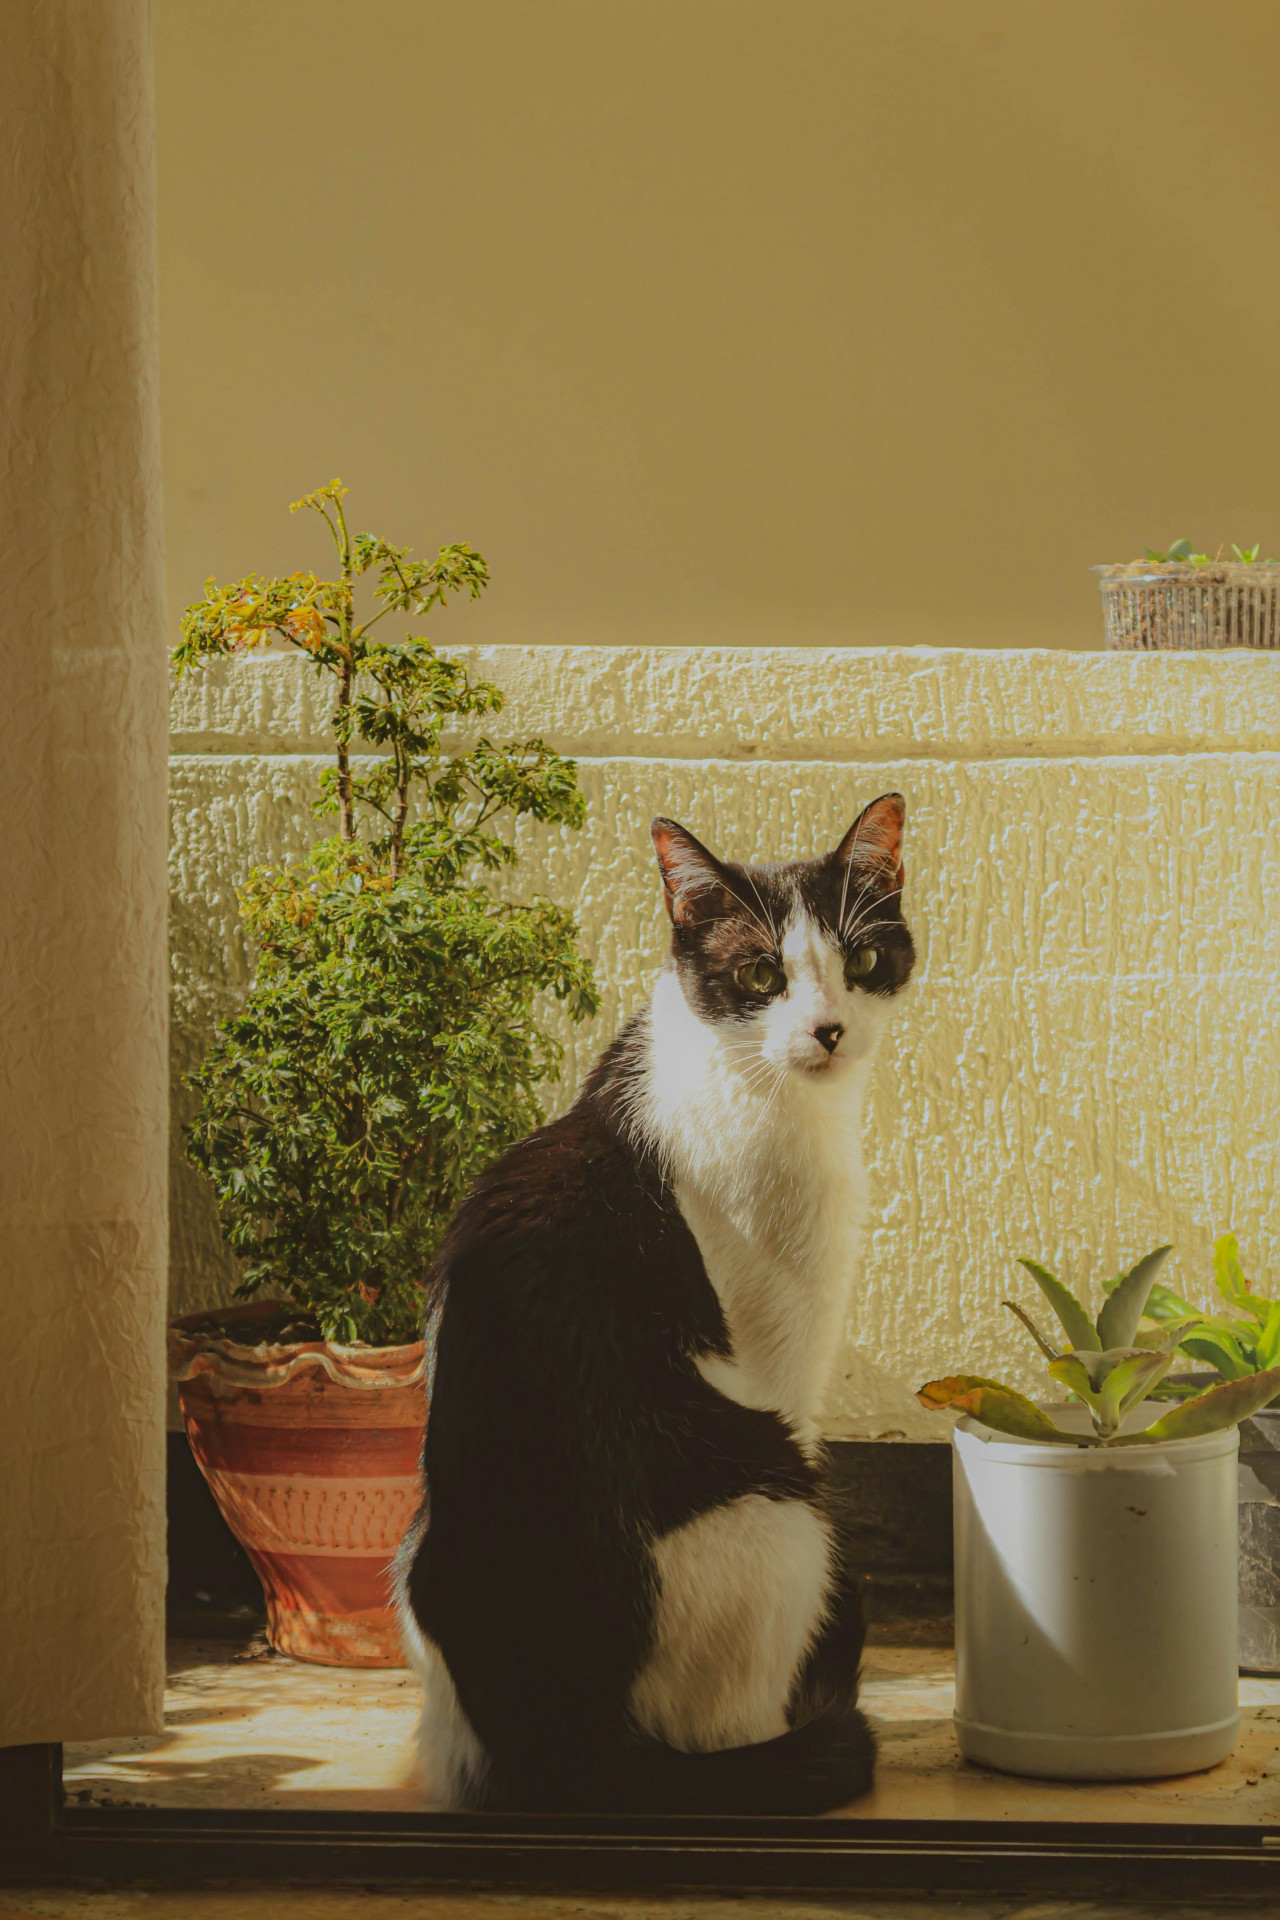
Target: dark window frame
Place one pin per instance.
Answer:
(45, 1840)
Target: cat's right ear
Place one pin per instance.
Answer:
(693, 881)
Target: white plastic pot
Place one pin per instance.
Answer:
(1095, 1603)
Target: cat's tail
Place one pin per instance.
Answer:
(810, 1769)
(813, 1768)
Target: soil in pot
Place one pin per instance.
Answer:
(311, 1452)
(1175, 606)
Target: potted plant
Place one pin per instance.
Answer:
(1095, 1551)
(389, 1047)
(1178, 599)
(1243, 1341)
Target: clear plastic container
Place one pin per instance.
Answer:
(1155, 606)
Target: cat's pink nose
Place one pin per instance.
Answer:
(828, 1037)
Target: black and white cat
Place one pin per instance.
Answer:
(624, 1591)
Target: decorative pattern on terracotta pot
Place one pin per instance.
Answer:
(311, 1452)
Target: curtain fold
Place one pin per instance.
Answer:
(83, 1033)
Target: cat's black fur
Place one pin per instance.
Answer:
(569, 1427)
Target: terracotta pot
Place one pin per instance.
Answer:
(311, 1452)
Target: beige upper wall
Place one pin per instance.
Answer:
(719, 321)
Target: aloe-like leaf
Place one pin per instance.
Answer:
(1168, 1337)
(997, 1406)
(1224, 1406)
(1076, 1323)
(1118, 1321)
(1071, 1372)
(1229, 1276)
(1218, 1349)
(1268, 1347)
(1127, 1385)
(1006, 1411)
(1162, 1302)
(1181, 1386)
(1240, 1328)
(939, 1394)
(1099, 1365)
(1046, 1347)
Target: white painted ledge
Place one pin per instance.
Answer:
(738, 703)
(1085, 1062)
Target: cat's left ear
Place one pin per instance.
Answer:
(876, 835)
(693, 880)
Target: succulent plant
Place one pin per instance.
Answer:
(1111, 1364)
(1236, 1345)
(1181, 550)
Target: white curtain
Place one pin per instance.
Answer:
(82, 886)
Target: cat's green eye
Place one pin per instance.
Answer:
(761, 975)
(860, 964)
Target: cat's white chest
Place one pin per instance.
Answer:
(781, 1251)
(767, 1170)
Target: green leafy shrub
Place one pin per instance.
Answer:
(390, 1044)
(1111, 1364)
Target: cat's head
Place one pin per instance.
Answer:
(797, 960)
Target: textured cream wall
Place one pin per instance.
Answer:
(825, 321)
(1086, 1061)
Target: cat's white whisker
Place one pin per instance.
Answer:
(879, 901)
(776, 936)
(874, 926)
